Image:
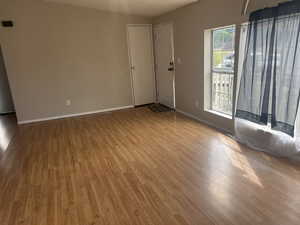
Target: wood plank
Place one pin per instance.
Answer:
(138, 167)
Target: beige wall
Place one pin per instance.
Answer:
(189, 25)
(57, 52)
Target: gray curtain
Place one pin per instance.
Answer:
(270, 83)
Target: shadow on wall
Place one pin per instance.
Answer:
(6, 102)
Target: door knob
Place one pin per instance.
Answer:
(171, 68)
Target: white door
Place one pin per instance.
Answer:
(165, 68)
(140, 45)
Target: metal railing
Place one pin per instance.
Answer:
(222, 91)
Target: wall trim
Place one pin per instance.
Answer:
(75, 115)
(225, 131)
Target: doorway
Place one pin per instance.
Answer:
(6, 101)
(140, 48)
(165, 65)
(8, 120)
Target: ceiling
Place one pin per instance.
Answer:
(149, 8)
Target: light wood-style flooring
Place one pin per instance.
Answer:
(138, 167)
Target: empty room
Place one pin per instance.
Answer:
(149, 112)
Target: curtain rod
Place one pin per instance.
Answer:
(271, 19)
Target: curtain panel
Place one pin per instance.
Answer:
(270, 84)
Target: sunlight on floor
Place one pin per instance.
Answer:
(239, 160)
(220, 193)
(4, 139)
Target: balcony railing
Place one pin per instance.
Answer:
(222, 91)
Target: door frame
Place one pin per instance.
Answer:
(130, 60)
(171, 24)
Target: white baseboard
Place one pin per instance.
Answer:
(203, 121)
(75, 115)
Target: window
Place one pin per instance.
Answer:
(221, 74)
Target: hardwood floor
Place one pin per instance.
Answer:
(139, 167)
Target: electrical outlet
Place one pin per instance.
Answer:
(197, 104)
(68, 102)
(179, 61)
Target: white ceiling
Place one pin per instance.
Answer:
(135, 7)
